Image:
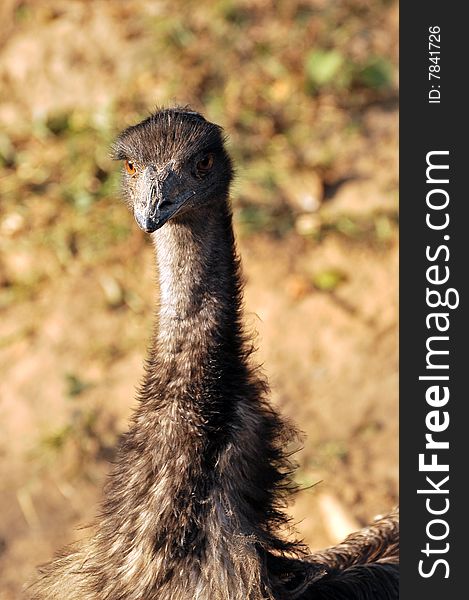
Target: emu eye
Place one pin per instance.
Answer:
(130, 167)
(204, 165)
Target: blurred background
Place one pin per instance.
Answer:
(307, 91)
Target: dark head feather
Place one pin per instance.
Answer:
(168, 134)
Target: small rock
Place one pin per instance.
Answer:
(337, 519)
(304, 192)
(12, 224)
(307, 224)
(113, 291)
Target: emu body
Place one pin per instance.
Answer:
(193, 508)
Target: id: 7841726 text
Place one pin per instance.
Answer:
(434, 69)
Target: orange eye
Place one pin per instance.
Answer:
(204, 165)
(130, 167)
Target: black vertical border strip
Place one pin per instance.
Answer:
(425, 127)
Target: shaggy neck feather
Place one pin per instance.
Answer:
(194, 498)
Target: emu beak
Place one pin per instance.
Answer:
(163, 198)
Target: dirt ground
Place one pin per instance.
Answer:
(77, 284)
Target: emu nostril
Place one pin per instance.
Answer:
(163, 203)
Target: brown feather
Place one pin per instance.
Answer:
(194, 505)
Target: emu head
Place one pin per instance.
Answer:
(175, 162)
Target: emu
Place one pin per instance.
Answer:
(194, 504)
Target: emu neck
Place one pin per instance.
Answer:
(195, 497)
(195, 263)
(196, 488)
(198, 339)
(196, 272)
